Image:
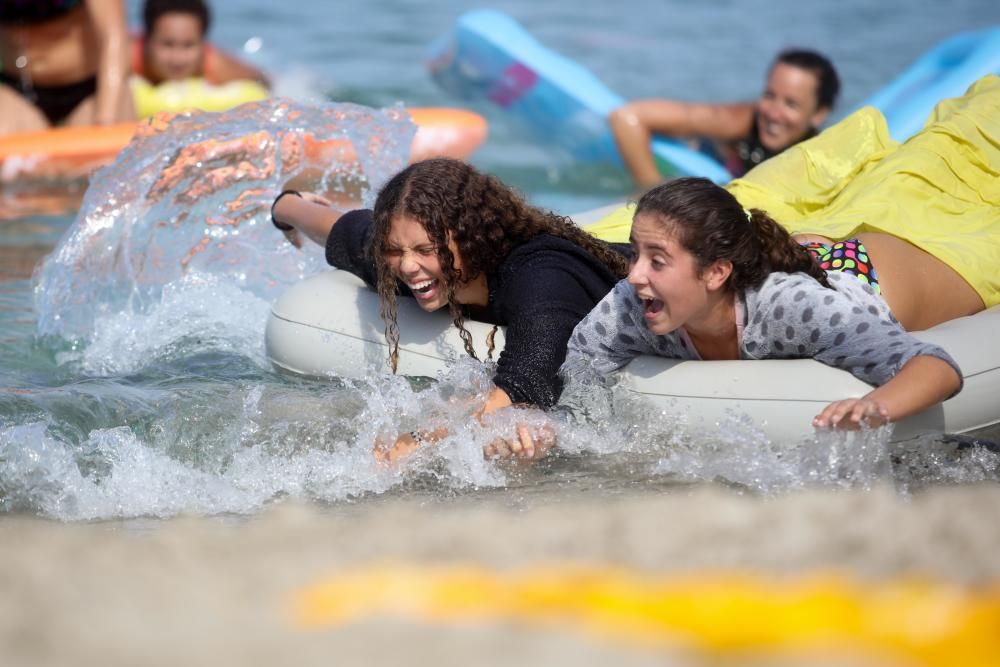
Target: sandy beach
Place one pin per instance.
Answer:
(222, 591)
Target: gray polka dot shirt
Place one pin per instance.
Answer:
(789, 316)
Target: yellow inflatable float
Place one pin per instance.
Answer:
(196, 93)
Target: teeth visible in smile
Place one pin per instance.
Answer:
(419, 287)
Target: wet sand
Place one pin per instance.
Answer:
(221, 591)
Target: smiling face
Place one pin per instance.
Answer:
(665, 276)
(412, 256)
(789, 107)
(175, 47)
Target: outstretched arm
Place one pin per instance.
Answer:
(634, 124)
(304, 214)
(852, 329)
(922, 382)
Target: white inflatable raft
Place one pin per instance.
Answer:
(329, 325)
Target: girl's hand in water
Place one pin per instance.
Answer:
(851, 413)
(388, 452)
(404, 445)
(526, 446)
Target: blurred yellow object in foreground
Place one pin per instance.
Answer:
(916, 621)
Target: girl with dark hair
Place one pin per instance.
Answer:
(175, 46)
(799, 94)
(452, 237)
(711, 280)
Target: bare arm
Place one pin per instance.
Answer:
(634, 124)
(108, 19)
(922, 382)
(225, 68)
(310, 215)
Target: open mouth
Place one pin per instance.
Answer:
(423, 289)
(771, 129)
(652, 307)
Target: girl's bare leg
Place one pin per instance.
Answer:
(19, 115)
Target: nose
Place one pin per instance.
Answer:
(765, 107)
(637, 274)
(408, 263)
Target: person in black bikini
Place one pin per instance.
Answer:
(63, 62)
(800, 92)
(452, 237)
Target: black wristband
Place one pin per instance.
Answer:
(283, 226)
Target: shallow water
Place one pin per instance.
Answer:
(133, 381)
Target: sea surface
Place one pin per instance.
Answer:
(133, 380)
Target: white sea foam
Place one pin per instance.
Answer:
(199, 312)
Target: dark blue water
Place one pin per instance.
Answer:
(129, 389)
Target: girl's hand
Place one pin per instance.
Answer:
(851, 413)
(527, 446)
(404, 445)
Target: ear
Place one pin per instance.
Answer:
(819, 117)
(716, 275)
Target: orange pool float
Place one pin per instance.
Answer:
(72, 153)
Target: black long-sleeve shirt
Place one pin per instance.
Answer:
(540, 292)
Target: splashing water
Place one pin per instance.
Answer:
(191, 196)
(159, 399)
(233, 441)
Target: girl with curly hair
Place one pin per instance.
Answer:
(452, 237)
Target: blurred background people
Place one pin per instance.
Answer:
(63, 62)
(799, 94)
(174, 46)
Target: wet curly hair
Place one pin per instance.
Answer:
(712, 225)
(484, 217)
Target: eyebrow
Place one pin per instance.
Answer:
(420, 246)
(652, 246)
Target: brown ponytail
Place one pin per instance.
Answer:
(781, 251)
(711, 224)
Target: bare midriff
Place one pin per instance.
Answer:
(55, 53)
